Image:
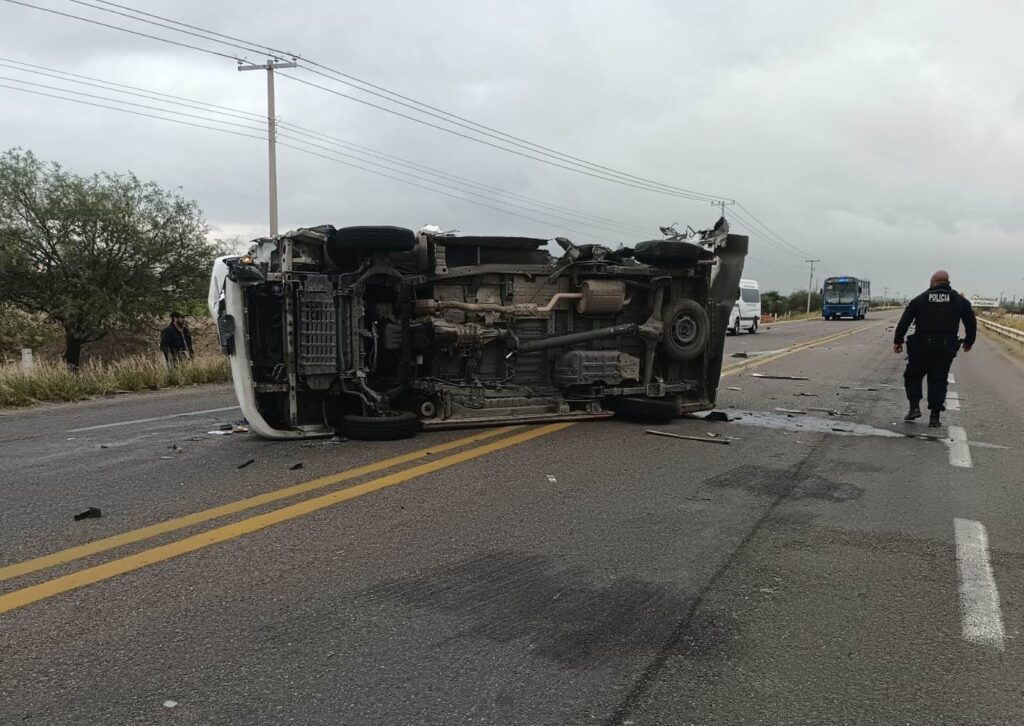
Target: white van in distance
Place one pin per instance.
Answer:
(746, 313)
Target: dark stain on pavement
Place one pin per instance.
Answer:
(778, 483)
(562, 613)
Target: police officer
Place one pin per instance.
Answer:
(937, 313)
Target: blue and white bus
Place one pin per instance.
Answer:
(845, 297)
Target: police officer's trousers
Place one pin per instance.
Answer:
(931, 359)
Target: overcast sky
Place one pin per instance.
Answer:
(886, 139)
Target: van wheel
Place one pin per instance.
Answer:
(640, 408)
(753, 328)
(687, 330)
(401, 425)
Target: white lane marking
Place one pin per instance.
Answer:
(952, 401)
(150, 420)
(982, 620)
(950, 378)
(959, 449)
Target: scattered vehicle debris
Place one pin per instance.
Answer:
(247, 463)
(689, 438)
(780, 378)
(295, 467)
(717, 416)
(390, 330)
(858, 388)
(805, 393)
(790, 410)
(240, 429)
(226, 427)
(733, 388)
(170, 704)
(90, 513)
(829, 411)
(552, 479)
(219, 432)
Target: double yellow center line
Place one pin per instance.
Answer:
(105, 571)
(160, 553)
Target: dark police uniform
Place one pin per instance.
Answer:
(937, 314)
(176, 345)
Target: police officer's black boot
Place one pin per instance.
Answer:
(934, 421)
(914, 412)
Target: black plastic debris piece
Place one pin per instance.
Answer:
(295, 467)
(225, 427)
(717, 416)
(90, 513)
(247, 463)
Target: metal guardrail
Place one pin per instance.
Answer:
(1003, 330)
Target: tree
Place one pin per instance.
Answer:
(99, 252)
(772, 303)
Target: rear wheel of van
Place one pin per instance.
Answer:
(687, 330)
(640, 408)
(753, 328)
(401, 425)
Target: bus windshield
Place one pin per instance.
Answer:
(841, 293)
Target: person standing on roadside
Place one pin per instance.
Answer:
(936, 313)
(176, 340)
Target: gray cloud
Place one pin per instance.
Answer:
(886, 140)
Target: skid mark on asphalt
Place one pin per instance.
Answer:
(566, 614)
(982, 619)
(781, 483)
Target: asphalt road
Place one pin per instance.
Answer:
(829, 566)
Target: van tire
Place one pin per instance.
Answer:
(667, 253)
(373, 239)
(687, 330)
(643, 409)
(401, 425)
(753, 328)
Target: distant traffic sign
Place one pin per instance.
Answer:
(984, 302)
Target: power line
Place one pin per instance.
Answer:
(130, 90)
(126, 30)
(386, 93)
(743, 220)
(353, 80)
(262, 138)
(166, 27)
(125, 110)
(572, 163)
(453, 132)
(607, 224)
(772, 232)
(128, 103)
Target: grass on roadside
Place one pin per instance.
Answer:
(52, 381)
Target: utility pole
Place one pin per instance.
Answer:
(269, 67)
(810, 283)
(886, 300)
(723, 204)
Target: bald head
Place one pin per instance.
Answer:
(940, 277)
